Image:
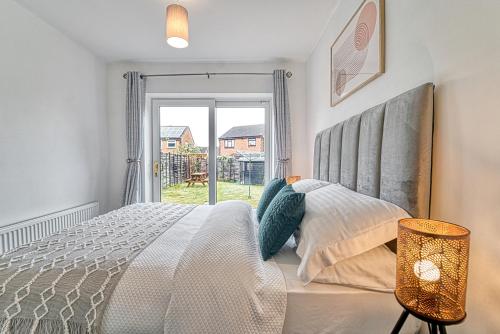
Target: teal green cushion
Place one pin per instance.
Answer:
(280, 220)
(272, 188)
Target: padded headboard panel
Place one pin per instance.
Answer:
(385, 152)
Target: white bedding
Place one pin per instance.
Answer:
(186, 273)
(331, 308)
(221, 284)
(132, 310)
(315, 308)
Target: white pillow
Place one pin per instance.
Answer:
(340, 223)
(374, 270)
(307, 185)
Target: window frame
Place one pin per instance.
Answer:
(254, 139)
(154, 101)
(226, 141)
(169, 141)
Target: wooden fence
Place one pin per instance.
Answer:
(228, 169)
(177, 168)
(174, 169)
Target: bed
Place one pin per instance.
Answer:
(315, 308)
(178, 269)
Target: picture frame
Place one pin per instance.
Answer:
(357, 56)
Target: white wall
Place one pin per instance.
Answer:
(52, 119)
(219, 84)
(456, 45)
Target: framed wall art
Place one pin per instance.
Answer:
(357, 55)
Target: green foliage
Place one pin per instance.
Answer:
(188, 148)
(197, 165)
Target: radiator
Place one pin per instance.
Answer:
(24, 232)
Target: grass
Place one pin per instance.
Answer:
(198, 194)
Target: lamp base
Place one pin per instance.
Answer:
(430, 306)
(434, 328)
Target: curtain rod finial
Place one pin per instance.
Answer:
(125, 75)
(288, 74)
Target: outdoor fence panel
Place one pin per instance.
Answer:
(228, 169)
(177, 168)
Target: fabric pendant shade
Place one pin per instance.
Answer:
(432, 266)
(177, 26)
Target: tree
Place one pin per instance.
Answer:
(188, 148)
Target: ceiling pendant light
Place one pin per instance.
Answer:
(177, 26)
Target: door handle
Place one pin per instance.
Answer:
(156, 168)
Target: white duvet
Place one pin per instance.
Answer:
(203, 275)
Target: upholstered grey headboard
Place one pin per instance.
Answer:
(385, 152)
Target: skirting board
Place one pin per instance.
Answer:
(27, 231)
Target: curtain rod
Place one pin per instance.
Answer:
(207, 74)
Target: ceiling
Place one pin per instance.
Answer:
(220, 30)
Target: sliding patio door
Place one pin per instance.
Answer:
(183, 151)
(206, 150)
(244, 147)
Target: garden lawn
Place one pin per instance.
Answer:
(198, 194)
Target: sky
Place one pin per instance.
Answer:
(197, 119)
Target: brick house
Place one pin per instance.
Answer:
(172, 137)
(246, 138)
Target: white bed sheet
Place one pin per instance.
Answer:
(139, 302)
(331, 308)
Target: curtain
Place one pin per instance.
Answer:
(282, 132)
(135, 138)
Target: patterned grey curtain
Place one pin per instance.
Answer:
(135, 137)
(282, 132)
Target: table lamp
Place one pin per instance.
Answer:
(431, 272)
(292, 179)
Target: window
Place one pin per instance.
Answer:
(218, 128)
(171, 143)
(252, 142)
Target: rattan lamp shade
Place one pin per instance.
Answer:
(177, 29)
(432, 265)
(292, 179)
